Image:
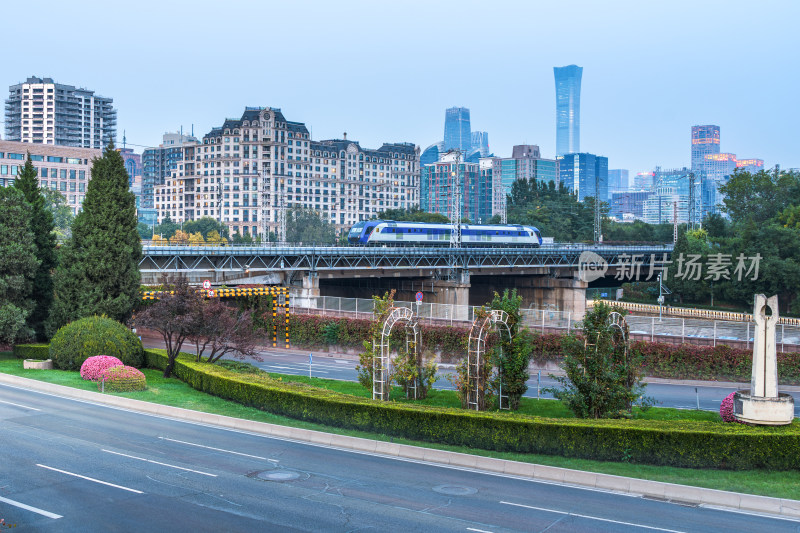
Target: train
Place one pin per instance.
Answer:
(392, 233)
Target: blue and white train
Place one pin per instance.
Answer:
(391, 233)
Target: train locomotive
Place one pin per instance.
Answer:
(391, 233)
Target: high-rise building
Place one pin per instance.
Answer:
(133, 164)
(480, 142)
(750, 165)
(617, 180)
(61, 168)
(42, 111)
(248, 171)
(585, 174)
(673, 186)
(629, 203)
(457, 133)
(568, 109)
(644, 181)
(525, 163)
(160, 162)
(705, 141)
(440, 181)
(431, 154)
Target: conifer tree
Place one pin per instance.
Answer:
(44, 238)
(99, 268)
(18, 265)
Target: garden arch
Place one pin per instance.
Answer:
(476, 354)
(381, 379)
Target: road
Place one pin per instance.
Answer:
(680, 396)
(75, 466)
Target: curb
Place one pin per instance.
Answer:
(651, 489)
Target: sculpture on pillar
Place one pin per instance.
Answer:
(763, 404)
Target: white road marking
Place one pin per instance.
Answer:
(91, 479)
(590, 517)
(271, 367)
(20, 405)
(478, 530)
(162, 464)
(36, 510)
(219, 449)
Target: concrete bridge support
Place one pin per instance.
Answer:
(308, 293)
(537, 291)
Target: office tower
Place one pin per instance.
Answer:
(525, 163)
(431, 154)
(568, 109)
(628, 205)
(457, 133)
(644, 181)
(672, 186)
(480, 142)
(752, 166)
(617, 180)
(705, 141)
(586, 174)
(61, 168)
(249, 171)
(42, 111)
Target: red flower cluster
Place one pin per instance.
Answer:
(93, 368)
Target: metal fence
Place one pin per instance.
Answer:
(736, 334)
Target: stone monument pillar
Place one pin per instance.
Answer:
(763, 404)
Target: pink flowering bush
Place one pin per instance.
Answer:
(726, 409)
(122, 379)
(92, 368)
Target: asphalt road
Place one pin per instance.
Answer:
(75, 466)
(679, 396)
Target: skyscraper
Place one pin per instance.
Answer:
(480, 142)
(457, 133)
(568, 109)
(617, 180)
(705, 141)
(585, 174)
(42, 111)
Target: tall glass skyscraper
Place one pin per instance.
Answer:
(457, 132)
(705, 141)
(568, 109)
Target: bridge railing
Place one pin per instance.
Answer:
(673, 330)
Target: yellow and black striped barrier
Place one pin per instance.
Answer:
(275, 292)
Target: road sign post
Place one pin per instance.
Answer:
(419, 300)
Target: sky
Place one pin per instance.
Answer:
(385, 71)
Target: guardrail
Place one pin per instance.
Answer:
(673, 330)
(693, 313)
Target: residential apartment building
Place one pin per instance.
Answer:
(526, 162)
(61, 168)
(161, 162)
(41, 111)
(249, 171)
(441, 183)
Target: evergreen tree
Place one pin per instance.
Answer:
(44, 238)
(18, 265)
(99, 272)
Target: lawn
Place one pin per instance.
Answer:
(176, 393)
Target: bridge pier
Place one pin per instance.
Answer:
(453, 292)
(539, 291)
(308, 294)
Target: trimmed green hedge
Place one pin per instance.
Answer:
(675, 443)
(31, 351)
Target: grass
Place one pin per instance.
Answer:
(779, 484)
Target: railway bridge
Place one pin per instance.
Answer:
(552, 275)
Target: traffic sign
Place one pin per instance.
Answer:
(206, 284)
(419, 296)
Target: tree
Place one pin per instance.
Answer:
(62, 213)
(554, 210)
(179, 237)
(222, 331)
(206, 225)
(602, 378)
(196, 239)
(309, 226)
(145, 231)
(167, 228)
(512, 354)
(18, 265)
(412, 214)
(176, 316)
(758, 197)
(215, 239)
(99, 271)
(44, 239)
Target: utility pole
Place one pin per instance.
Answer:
(598, 231)
(692, 201)
(674, 222)
(455, 212)
(282, 216)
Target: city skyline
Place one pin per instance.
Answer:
(371, 99)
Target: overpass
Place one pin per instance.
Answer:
(462, 276)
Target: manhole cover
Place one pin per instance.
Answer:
(454, 490)
(278, 475)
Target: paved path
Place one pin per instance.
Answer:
(78, 466)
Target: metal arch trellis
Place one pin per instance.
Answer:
(380, 376)
(620, 337)
(476, 353)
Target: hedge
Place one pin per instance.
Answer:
(95, 335)
(31, 351)
(691, 444)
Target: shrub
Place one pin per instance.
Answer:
(87, 337)
(682, 443)
(726, 409)
(123, 379)
(32, 351)
(92, 369)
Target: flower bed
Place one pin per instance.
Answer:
(92, 369)
(122, 379)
